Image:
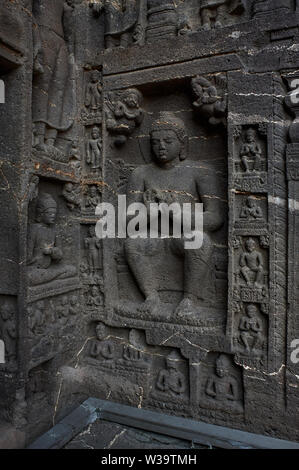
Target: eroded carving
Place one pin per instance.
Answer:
(210, 103)
(53, 89)
(93, 99)
(171, 380)
(222, 388)
(93, 246)
(94, 149)
(214, 13)
(120, 19)
(92, 198)
(71, 193)
(123, 114)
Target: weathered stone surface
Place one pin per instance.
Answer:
(160, 102)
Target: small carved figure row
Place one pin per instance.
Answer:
(147, 21)
(57, 312)
(218, 379)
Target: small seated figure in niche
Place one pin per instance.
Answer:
(171, 380)
(62, 310)
(93, 96)
(45, 256)
(211, 105)
(102, 346)
(251, 150)
(214, 12)
(71, 193)
(75, 155)
(251, 329)
(37, 317)
(93, 245)
(120, 20)
(251, 263)
(124, 115)
(133, 352)
(167, 179)
(251, 210)
(94, 149)
(222, 386)
(93, 198)
(8, 332)
(95, 298)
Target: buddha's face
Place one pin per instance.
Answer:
(250, 246)
(94, 77)
(166, 146)
(250, 137)
(101, 331)
(251, 311)
(48, 217)
(221, 369)
(93, 191)
(250, 202)
(95, 134)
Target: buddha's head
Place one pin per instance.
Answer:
(95, 76)
(173, 360)
(46, 209)
(251, 310)
(250, 201)
(168, 139)
(222, 365)
(92, 231)
(250, 135)
(101, 331)
(250, 245)
(95, 133)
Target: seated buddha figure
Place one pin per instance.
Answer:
(45, 256)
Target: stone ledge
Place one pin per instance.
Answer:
(181, 428)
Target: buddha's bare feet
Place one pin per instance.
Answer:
(186, 307)
(152, 303)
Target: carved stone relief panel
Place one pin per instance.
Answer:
(149, 273)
